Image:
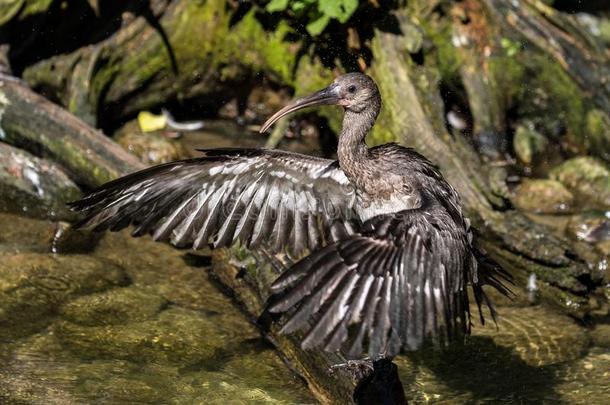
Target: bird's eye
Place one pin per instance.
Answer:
(351, 89)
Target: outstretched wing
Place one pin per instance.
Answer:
(275, 198)
(399, 282)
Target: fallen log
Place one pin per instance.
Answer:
(329, 375)
(31, 122)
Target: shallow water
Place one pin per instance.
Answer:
(113, 319)
(535, 356)
(125, 321)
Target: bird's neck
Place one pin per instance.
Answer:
(352, 150)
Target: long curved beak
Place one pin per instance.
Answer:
(329, 95)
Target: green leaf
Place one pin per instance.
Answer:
(276, 5)
(317, 26)
(9, 9)
(300, 5)
(342, 10)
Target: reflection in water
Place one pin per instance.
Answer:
(535, 356)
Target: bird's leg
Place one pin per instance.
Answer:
(357, 369)
(278, 265)
(241, 264)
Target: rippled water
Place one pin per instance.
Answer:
(124, 321)
(112, 319)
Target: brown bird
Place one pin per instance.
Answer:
(388, 254)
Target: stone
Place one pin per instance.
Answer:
(590, 227)
(587, 177)
(543, 197)
(528, 144)
(22, 234)
(152, 147)
(33, 186)
(176, 335)
(601, 335)
(33, 286)
(113, 307)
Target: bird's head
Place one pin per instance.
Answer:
(354, 91)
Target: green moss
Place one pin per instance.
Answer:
(203, 43)
(35, 6)
(312, 76)
(8, 9)
(202, 31)
(508, 73)
(597, 133)
(445, 55)
(21, 8)
(528, 144)
(271, 53)
(541, 91)
(381, 132)
(565, 96)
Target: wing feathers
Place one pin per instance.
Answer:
(254, 196)
(397, 289)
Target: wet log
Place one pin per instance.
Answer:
(576, 61)
(485, 99)
(326, 373)
(559, 36)
(413, 113)
(31, 122)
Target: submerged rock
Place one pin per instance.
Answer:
(261, 367)
(515, 361)
(33, 287)
(585, 380)
(151, 147)
(589, 227)
(588, 177)
(114, 307)
(63, 378)
(34, 186)
(538, 336)
(543, 197)
(601, 336)
(22, 234)
(176, 335)
(221, 390)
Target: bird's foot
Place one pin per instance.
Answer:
(357, 369)
(242, 264)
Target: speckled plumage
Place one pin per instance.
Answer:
(389, 252)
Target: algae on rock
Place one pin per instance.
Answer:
(588, 177)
